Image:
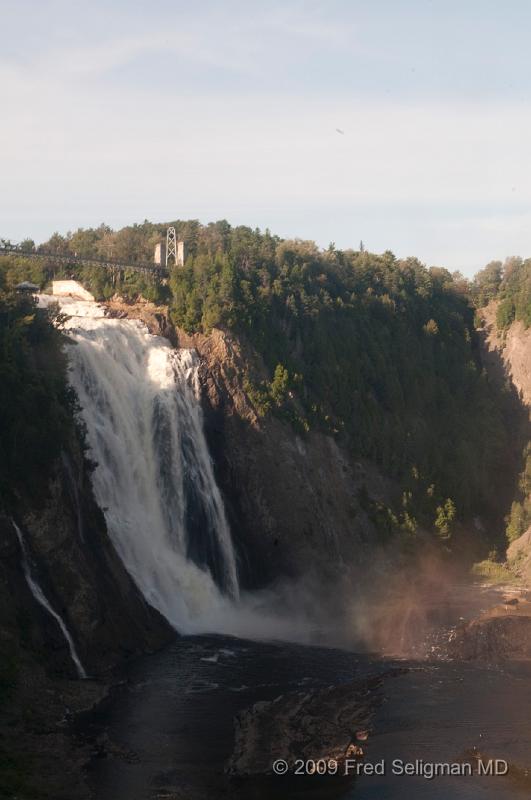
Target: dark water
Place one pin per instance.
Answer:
(176, 713)
(170, 728)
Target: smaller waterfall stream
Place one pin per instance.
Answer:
(40, 597)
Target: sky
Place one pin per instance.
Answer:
(126, 110)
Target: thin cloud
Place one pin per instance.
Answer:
(231, 112)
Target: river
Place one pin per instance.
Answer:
(169, 728)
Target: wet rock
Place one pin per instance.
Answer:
(494, 637)
(319, 724)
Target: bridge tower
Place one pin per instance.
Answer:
(170, 249)
(171, 246)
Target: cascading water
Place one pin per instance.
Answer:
(154, 477)
(40, 597)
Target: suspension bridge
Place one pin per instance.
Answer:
(147, 268)
(158, 268)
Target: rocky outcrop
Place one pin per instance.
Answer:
(507, 354)
(328, 724)
(156, 318)
(493, 638)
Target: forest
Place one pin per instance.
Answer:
(510, 285)
(380, 352)
(37, 408)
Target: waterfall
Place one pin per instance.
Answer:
(40, 597)
(154, 477)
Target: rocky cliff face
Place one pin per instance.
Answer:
(74, 562)
(508, 355)
(293, 500)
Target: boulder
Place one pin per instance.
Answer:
(492, 638)
(320, 724)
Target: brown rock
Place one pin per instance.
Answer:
(314, 725)
(492, 638)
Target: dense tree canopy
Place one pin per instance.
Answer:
(36, 405)
(380, 352)
(508, 283)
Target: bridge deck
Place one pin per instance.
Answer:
(67, 258)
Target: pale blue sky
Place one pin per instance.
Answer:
(119, 111)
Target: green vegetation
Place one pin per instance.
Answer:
(444, 519)
(377, 351)
(15, 269)
(36, 406)
(515, 293)
(486, 283)
(510, 284)
(519, 518)
(493, 571)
